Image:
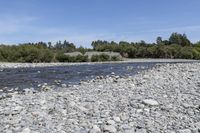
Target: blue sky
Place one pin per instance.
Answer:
(82, 21)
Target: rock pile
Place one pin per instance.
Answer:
(165, 99)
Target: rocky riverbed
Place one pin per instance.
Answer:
(165, 99)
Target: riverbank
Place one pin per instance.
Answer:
(164, 99)
(27, 65)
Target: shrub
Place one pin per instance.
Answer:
(66, 58)
(1, 56)
(186, 53)
(196, 53)
(115, 58)
(81, 58)
(100, 58)
(95, 58)
(104, 57)
(46, 55)
(32, 56)
(62, 58)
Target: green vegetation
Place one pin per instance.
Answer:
(104, 57)
(115, 58)
(177, 46)
(100, 58)
(61, 57)
(25, 53)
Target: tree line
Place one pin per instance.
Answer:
(177, 46)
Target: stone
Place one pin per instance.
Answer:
(125, 127)
(197, 125)
(131, 124)
(95, 129)
(26, 130)
(72, 104)
(112, 73)
(129, 131)
(80, 131)
(9, 131)
(111, 122)
(184, 131)
(142, 130)
(124, 116)
(18, 108)
(116, 119)
(83, 109)
(147, 110)
(110, 128)
(45, 88)
(150, 102)
(195, 130)
(63, 85)
(139, 110)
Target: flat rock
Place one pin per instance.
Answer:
(110, 128)
(184, 131)
(26, 130)
(95, 129)
(150, 102)
(111, 122)
(116, 119)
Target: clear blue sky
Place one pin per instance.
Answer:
(82, 21)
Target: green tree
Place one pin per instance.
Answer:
(159, 40)
(180, 39)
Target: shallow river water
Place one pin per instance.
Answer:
(30, 77)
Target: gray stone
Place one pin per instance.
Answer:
(195, 130)
(142, 130)
(110, 128)
(150, 102)
(125, 126)
(184, 131)
(116, 119)
(111, 122)
(197, 125)
(26, 130)
(129, 131)
(95, 129)
(63, 85)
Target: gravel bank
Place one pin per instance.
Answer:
(165, 99)
(27, 65)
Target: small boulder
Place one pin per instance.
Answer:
(95, 129)
(26, 130)
(116, 119)
(184, 131)
(150, 102)
(111, 122)
(110, 129)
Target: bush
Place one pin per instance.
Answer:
(66, 58)
(104, 57)
(46, 55)
(81, 58)
(63, 58)
(95, 58)
(100, 58)
(186, 53)
(1, 56)
(196, 53)
(115, 58)
(32, 56)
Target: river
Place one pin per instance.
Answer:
(21, 78)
